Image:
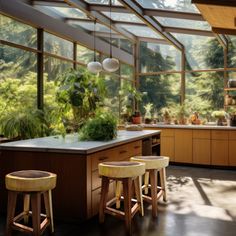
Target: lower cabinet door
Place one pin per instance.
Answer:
(168, 147)
(232, 152)
(219, 152)
(202, 151)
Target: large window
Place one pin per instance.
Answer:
(161, 91)
(158, 57)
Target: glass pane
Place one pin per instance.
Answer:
(232, 51)
(58, 46)
(62, 12)
(85, 55)
(117, 16)
(16, 32)
(141, 31)
(182, 23)
(205, 92)
(112, 84)
(202, 52)
(158, 57)
(161, 91)
(90, 26)
(176, 5)
(126, 45)
(105, 2)
(18, 80)
(127, 71)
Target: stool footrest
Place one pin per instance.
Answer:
(149, 199)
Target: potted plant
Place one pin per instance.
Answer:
(220, 116)
(166, 115)
(78, 92)
(148, 117)
(137, 118)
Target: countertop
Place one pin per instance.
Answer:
(71, 143)
(189, 126)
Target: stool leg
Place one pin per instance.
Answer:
(26, 207)
(138, 192)
(163, 183)
(103, 201)
(153, 182)
(11, 207)
(127, 189)
(146, 181)
(48, 207)
(36, 210)
(118, 194)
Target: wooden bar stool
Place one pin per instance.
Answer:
(127, 173)
(154, 164)
(32, 184)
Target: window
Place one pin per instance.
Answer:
(16, 32)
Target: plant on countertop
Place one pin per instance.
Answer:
(102, 127)
(220, 116)
(148, 116)
(166, 115)
(181, 112)
(24, 124)
(80, 91)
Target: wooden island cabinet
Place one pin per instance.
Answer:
(77, 194)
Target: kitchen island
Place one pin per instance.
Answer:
(77, 194)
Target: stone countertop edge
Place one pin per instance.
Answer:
(31, 144)
(190, 126)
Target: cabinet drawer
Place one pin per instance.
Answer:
(167, 132)
(219, 134)
(107, 155)
(232, 135)
(201, 134)
(134, 149)
(96, 195)
(96, 180)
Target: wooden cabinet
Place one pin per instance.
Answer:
(120, 153)
(168, 143)
(220, 147)
(232, 148)
(183, 145)
(202, 147)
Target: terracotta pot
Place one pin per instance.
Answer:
(136, 119)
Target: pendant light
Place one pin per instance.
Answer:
(94, 66)
(110, 64)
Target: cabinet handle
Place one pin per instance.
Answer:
(122, 152)
(102, 158)
(136, 147)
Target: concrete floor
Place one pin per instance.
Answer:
(201, 202)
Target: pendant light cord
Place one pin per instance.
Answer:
(110, 30)
(94, 39)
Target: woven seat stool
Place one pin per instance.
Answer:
(154, 164)
(127, 173)
(32, 184)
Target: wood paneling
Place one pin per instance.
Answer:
(232, 135)
(183, 145)
(202, 151)
(219, 152)
(220, 134)
(232, 152)
(168, 147)
(201, 134)
(167, 132)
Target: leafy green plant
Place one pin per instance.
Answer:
(102, 127)
(218, 114)
(23, 124)
(81, 92)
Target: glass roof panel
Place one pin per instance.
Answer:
(117, 16)
(90, 26)
(175, 5)
(63, 11)
(104, 2)
(141, 31)
(183, 23)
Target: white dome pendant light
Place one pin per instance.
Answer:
(94, 66)
(110, 64)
